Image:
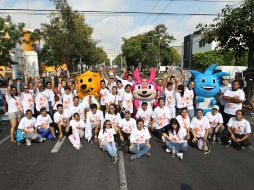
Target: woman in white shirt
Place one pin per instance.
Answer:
(78, 126)
(14, 108)
(180, 99)
(126, 101)
(139, 141)
(27, 100)
(107, 142)
(184, 120)
(170, 100)
(112, 98)
(112, 115)
(176, 139)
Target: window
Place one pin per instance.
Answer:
(201, 43)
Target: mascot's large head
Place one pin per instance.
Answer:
(88, 84)
(144, 89)
(207, 83)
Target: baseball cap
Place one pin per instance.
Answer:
(127, 111)
(225, 77)
(216, 107)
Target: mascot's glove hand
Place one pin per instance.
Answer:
(213, 102)
(136, 103)
(155, 104)
(200, 99)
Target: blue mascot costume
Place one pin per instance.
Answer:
(207, 87)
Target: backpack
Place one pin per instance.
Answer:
(19, 136)
(203, 144)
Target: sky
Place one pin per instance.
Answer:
(109, 30)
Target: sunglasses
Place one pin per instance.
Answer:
(108, 123)
(111, 108)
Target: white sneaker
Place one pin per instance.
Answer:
(180, 155)
(168, 151)
(28, 142)
(163, 139)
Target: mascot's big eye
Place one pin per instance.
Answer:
(214, 81)
(203, 80)
(90, 80)
(138, 86)
(81, 81)
(149, 86)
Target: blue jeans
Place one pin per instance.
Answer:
(139, 150)
(45, 133)
(33, 136)
(179, 147)
(110, 147)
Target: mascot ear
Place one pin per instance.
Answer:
(152, 75)
(210, 69)
(220, 74)
(195, 73)
(136, 74)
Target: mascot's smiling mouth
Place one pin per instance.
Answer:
(208, 88)
(144, 95)
(90, 90)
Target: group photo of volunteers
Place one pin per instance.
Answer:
(123, 111)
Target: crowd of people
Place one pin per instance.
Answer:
(40, 110)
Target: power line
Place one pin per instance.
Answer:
(167, 5)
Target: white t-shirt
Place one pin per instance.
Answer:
(50, 94)
(145, 115)
(27, 124)
(179, 137)
(112, 99)
(45, 121)
(107, 135)
(77, 109)
(114, 119)
(127, 101)
(67, 101)
(127, 126)
(120, 92)
(62, 118)
(55, 104)
(223, 89)
(14, 105)
(199, 126)
(85, 102)
(27, 100)
(139, 136)
(214, 120)
(94, 119)
(170, 100)
(180, 101)
(231, 108)
(103, 94)
(74, 124)
(239, 127)
(184, 123)
(189, 95)
(162, 116)
(41, 100)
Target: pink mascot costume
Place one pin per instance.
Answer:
(144, 90)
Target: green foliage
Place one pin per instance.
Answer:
(233, 29)
(10, 34)
(150, 48)
(203, 60)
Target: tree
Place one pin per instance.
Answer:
(10, 34)
(233, 29)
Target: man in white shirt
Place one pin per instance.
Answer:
(77, 107)
(234, 99)
(238, 131)
(27, 126)
(128, 81)
(104, 92)
(223, 88)
(161, 117)
(145, 114)
(189, 96)
(120, 88)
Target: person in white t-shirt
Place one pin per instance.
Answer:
(41, 99)
(27, 100)
(170, 100)
(176, 139)
(112, 98)
(78, 126)
(223, 88)
(61, 121)
(238, 131)
(234, 99)
(107, 142)
(161, 117)
(44, 125)
(126, 101)
(112, 115)
(14, 107)
(94, 122)
(127, 124)
(27, 126)
(129, 80)
(67, 99)
(104, 92)
(216, 124)
(184, 120)
(199, 128)
(180, 99)
(145, 114)
(77, 107)
(139, 141)
(189, 96)
(120, 89)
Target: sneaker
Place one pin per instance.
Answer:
(163, 139)
(95, 138)
(206, 152)
(180, 155)
(218, 140)
(167, 150)
(228, 143)
(19, 143)
(132, 158)
(148, 155)
(28, 142)
(90, 141)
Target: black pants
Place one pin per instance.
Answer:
(55, 125)
(226, 118)
(103, 109)
(226, 136)
(159, 132)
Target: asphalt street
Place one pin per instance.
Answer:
(35, 167)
